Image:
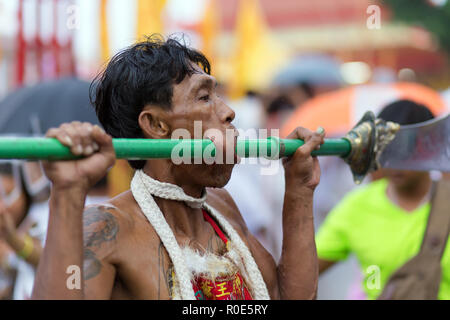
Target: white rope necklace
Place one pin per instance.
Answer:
(144, 188)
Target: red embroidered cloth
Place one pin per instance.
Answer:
(231, 288)
(222, 288)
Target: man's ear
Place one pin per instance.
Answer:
(153, 123)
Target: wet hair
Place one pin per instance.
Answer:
(406, 112)
(142, 74)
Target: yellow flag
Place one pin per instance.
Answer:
(257, 55)
(119, 178)
(104, 36)
(209, 29)
(149, 17)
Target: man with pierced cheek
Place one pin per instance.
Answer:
(176, 234)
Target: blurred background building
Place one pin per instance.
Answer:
(272, 59)
(42, 39)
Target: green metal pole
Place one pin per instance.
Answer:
(51, 149)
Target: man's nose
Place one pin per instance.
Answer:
(226, 113)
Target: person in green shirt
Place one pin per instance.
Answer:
(383, 223)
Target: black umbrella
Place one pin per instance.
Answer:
(35, 109)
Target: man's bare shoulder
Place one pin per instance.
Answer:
(100, 233)
(130, 216)
(112, 222)
(112, 212)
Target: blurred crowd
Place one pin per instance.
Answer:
(25, 191)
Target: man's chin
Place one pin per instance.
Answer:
(207, 175)
(221, 175)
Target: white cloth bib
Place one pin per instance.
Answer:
(144, 188)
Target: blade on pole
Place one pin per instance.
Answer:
(423, 146)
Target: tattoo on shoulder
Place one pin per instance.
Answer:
(91, 265)
(99, 226)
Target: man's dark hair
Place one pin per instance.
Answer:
(406, 112)
(142, 74)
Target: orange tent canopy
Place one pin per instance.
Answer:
(338, 111)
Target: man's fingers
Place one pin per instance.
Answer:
(312, 140)
(313, 143)
(300, 133)
(103, 143)
(71, 130)
(61, 136)
(321, 132)
(82, 138)
(302, 165)
(101, 139)
(85, 130)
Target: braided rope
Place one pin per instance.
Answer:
(258, 285)
(162, 228)
(143, 187)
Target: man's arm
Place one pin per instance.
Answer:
(71, 181)
(91, 251)
(298, 267)
(296, 275)
(64, 246)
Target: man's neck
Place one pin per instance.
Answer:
(180, 217)
(164, 171)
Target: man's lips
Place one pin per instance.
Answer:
(237, 159)
(225, 147)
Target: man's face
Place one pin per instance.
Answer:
(195, 99)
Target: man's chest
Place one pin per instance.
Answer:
(146, 269)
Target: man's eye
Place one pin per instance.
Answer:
(205, 98)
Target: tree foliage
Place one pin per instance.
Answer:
(423, 13)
